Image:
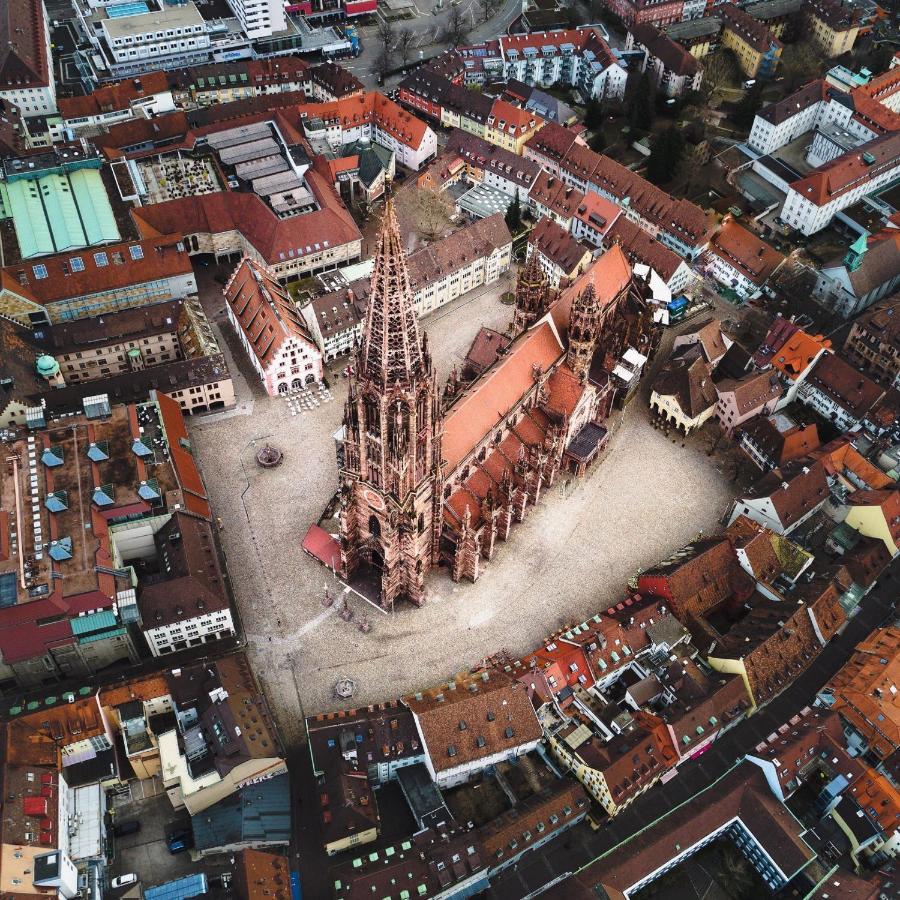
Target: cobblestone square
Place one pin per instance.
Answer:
(573, 554)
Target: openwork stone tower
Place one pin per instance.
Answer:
(533, 294)
(390, 494)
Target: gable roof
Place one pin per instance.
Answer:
(642, 247)
(274, 238)
(264, 310)
(688, 379)
(845, 385)
(557, 244)
(816, 91)
(848, 171)
(609, 275)
(23, 52)
(742, 793)
(794, 491)
(743, 250)
(48, 279)
(464, 726)
(114, 97)
(752, 391)
(480, 409)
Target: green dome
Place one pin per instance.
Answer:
(134, 353)
(47, 366)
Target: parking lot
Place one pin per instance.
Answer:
(144, 852)
(572, 555)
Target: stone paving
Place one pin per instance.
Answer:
(572, 555)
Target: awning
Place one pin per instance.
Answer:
(319, 544)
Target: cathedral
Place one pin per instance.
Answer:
(437, 478)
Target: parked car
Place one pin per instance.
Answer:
(129, 826)
(124, 880)
(179, 838)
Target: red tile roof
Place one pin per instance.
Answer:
(494, 717)
(748, 29)
(888, 501)
(158, 257)
(478, 411)
(742, 793)
(186, 471)
(275, 239)
(558, 245)
(264, 310)
(608, 275)
(23, 50)
(556, 195)
(743, 250)
(512, 120)
(845, 385)
(113, 97)
(844, 173)
(641, 247)
(373, 108)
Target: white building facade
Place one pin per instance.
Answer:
(194, 631)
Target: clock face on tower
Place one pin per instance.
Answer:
(376, 501)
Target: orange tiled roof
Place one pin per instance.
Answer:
(609, 275)
(740, 248)
(478, 411)
(797, 353)
(366, 108)
(842, 174)
(113, 97)
(512, 119)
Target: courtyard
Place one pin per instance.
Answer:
(573, 554)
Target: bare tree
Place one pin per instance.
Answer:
(490, 8)
(382, 63)
(386, 34)
(430, 210)
(719, 68)
(456, 29)
(406, 40)
(799, 63)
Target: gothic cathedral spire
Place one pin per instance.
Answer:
(391, 348)
(584, 329)
(390, 496)
(532, 294)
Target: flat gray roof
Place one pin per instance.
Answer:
(159, 20)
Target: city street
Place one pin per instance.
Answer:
(578, 847)
(428, 26)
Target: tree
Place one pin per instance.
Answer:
(719, 68)
(749, 106)
(640, 104)
(514, 215)
(383, 63)
(430, 210)
(456, 28)
(489, 8)
(597, 141)
(666, 155)
(800, 63)
(593, 114)
(405, 42)
(386, 33)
